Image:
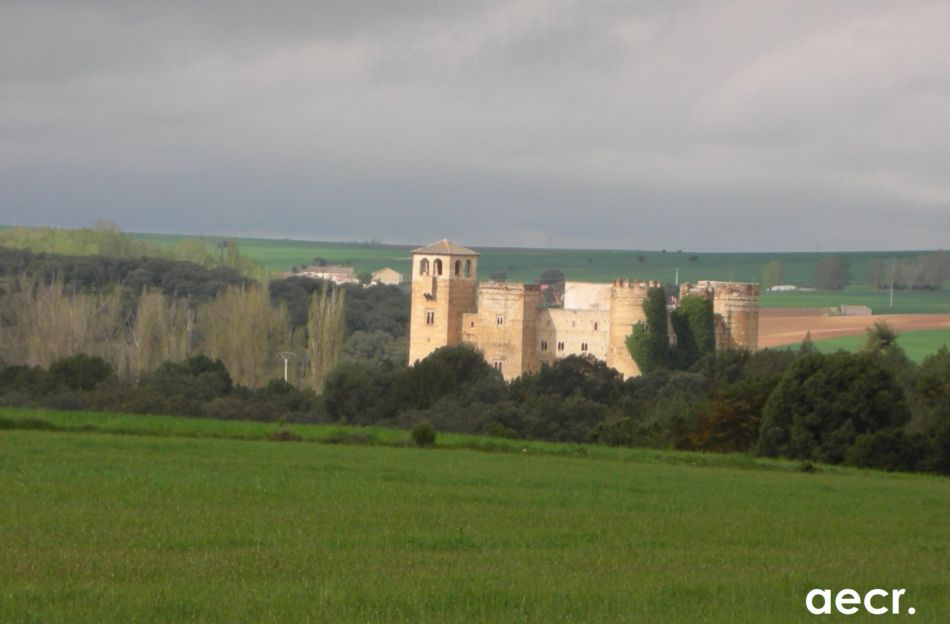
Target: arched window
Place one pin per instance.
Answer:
(458, 268)
(424, 267)
(468, 268)
(437, 266)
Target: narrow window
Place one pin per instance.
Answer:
(468, 268)
(499, 320)
(544, 345)
(437, 266)
(595, 325)
(430, 317)
(424, 267)
(497, 364)
(583, 346)
(458, 268)
(473, 323)
(560, 346)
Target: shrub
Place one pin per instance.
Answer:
(284, 435)
(78, 372)
(423, 434)
(888, 450)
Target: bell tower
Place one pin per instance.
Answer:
(443, 289)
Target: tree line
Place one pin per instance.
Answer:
(874, 409)
(927, 271)
(106, 239)
(138, 312)
(42, 322)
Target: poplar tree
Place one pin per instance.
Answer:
(325, 329)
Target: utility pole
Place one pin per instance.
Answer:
(285, 355)
(893, 271)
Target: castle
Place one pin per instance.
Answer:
(516, 334)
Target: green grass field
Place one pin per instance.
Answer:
(605, 265)
(916, 344)
(196, 524)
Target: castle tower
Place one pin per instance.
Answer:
(738, 306)
(736, 310)
(443, 289)
(626, 310)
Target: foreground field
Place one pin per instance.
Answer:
(100, 527)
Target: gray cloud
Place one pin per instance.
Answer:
(722, 125)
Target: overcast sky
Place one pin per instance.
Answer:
(733, 125)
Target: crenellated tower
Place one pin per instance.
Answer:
(626, 310)
(736, 310)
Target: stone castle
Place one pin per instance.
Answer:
(516, 334)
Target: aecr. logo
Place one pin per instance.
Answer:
(849, 602)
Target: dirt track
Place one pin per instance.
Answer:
(779, 326)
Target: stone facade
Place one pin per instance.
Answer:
(505, 321)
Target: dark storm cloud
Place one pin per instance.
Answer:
(722, 125)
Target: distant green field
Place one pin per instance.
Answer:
(605, 265)
(97, 527)
(916, 344)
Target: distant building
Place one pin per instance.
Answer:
(387, 276)
(854, 310)
(783, 288)
(508, 324)
(334, 273)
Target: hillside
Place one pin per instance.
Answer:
(167, 528)
(525, 264)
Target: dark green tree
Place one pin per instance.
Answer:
(552, 287)
(693, 324)
(78, 372)
(446, 371)
(823, 402)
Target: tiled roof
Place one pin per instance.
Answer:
(445, 247)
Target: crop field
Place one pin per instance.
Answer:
(916, 344)
(213, 523)
(605, 265)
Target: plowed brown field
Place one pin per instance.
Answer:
(780, 326)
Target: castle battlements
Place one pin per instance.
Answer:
(507, 323)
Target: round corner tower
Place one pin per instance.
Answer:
(736, 306)
(626, 310)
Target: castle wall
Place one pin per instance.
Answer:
(586, 296)
(563, 332)
(505, 326)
